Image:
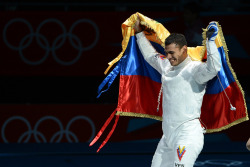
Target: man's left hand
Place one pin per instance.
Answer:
(212, 31)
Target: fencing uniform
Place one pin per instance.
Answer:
(183, 90)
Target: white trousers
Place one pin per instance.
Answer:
(181, 148)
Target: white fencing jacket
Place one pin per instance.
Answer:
(183, 85)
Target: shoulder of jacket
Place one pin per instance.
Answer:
(196, 63)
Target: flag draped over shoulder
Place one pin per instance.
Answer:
(140, 84)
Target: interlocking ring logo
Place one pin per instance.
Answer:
(44, 43)
(36, 133)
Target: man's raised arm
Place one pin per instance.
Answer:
(207, 71)
(155, 59)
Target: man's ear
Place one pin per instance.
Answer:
(184, 48)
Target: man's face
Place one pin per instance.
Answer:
(175, 54)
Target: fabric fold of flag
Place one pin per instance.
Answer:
(140, 83)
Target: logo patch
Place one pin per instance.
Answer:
(181, 152)
(162, 57)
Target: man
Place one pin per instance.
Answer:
(183, 82)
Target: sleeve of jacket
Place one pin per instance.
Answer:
(149, 53)
(206, 71)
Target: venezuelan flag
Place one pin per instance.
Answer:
(140, 83)
(223, 103)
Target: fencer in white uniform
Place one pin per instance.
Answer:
(183, 87)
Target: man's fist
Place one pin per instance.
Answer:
(212, 31)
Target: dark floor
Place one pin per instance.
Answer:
(129, 154)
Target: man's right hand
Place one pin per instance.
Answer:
(138, 27)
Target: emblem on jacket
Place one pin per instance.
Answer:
(162, 57)
(181, 152)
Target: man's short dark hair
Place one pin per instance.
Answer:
(176, 38)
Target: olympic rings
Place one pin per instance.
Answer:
(36, 133)
(41, 40)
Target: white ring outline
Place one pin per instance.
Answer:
(18, 118)
(5, 32)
